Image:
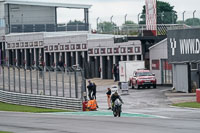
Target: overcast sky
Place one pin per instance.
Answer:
(104, 9)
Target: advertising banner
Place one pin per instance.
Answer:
(151, 16)
(183, 45)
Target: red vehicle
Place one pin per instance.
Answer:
(143, 78)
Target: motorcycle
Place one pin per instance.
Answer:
(117, 109)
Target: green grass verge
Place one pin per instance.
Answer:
(4, 132)
(20, 108)
(188, 104)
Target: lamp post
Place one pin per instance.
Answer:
(111, 18)
(97, 23)
(193, 17)
(139, 18)
(183, 16)
(125, 18)
(172, 17)
(162, 15)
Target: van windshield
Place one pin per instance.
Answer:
(144, 74)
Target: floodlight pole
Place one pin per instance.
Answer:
(111, 19)
(183, 17)
(97, 23)
(139, 18)
(125, 18)
(193, 17)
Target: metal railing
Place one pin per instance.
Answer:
(55, 82)
(139, 30)
(20, 28)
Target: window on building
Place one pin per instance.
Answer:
(194, 66)
(155, 65)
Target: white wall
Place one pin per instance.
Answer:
(158, 52)
(24, 37)
(66, 39)
(100, 43)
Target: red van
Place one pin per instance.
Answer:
(143, 78)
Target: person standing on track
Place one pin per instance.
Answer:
(108, 98)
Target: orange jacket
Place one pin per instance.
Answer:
(92, 104)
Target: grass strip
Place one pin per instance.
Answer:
(188, 104)
(4, 132)
(21, 108)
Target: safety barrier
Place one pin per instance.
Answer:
(42, 101)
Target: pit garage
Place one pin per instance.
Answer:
(184, 55)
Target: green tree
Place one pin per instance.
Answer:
(75, 22)
(106, 27)
(165, 14)
(192, 22)
(179, 22)
(129, 22)
(130, 28)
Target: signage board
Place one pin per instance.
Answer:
(183, 45)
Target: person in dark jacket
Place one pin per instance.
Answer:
(90, 89)
(115, 72)
(94, 90)
(108, 93)
(114, 97)
(60, 64)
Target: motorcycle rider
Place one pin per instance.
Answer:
(114, 97)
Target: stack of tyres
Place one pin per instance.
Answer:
(198, 95)
(85, 105)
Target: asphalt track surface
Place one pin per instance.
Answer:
(62, 123)
(144, 111)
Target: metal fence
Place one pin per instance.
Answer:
(54, 82)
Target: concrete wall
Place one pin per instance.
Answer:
(2, 21)
(100, 43)
(158, 52)
(25, 14)
(24, 37)
(66, 39)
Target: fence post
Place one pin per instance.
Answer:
(14, 76)
(49, 81)
(83, 83)
(8, 77)
(76, 84)
(3, 78)
(70, 85)
(56, 82)
(37, 80)
(19, 80)
(43, 81)
(25, 80)
(31, 80)
(63, 85)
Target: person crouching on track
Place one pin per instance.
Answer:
(92, 104)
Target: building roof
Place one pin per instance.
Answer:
(89, 36)
(68, 33)
(161, 42)
(49, 3)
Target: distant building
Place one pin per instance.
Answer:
(95, 53)
(159, 64)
